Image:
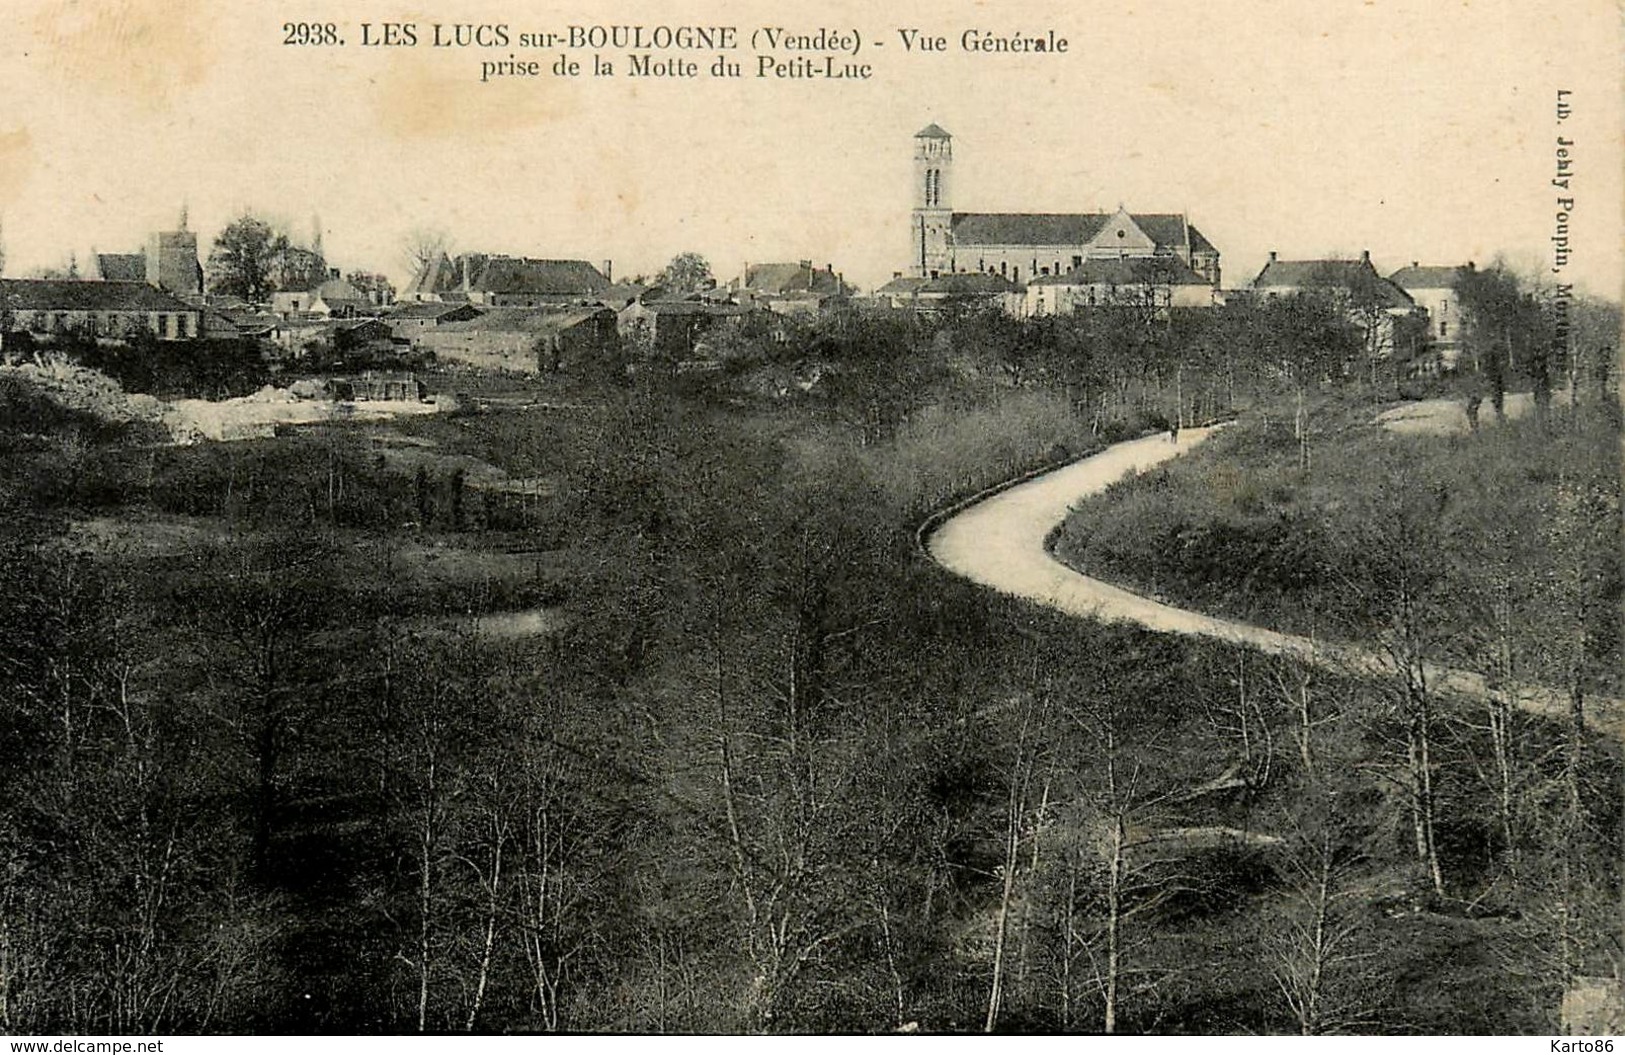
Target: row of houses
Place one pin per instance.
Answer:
(565, 320)
(1429, 295)
(498, 310)
(557, 335)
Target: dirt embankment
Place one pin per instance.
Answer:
(190, 420)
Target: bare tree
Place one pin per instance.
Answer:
(1022, 823)
(1120, 865)
(1315, 952)
(1584, 530)
(1240, 719)
(424, 246)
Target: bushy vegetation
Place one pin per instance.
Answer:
(1492, 533)
(196, 369)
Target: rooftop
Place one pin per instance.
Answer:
(1167, 271)
(24, 294)
(1419, 277)
(1332, 274)
(800, 277)
(524, 320)
(1167, 230)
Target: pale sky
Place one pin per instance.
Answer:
(1422, 130)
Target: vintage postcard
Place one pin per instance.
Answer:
(730, 518)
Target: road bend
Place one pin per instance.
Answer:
(1001, 542)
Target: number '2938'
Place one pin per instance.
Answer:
(310, 33)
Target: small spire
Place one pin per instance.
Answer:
(183, 214)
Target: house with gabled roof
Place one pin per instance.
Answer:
(1434, 290)
(110, 310)
(338, 299)
(409, 319)
(1021, 247)
(1155, 283)
(1334, 276)
(974, 289)
(506, 281)
(1372, 303)
(330, 298)
(791, 288)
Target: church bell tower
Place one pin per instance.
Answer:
(933, 172)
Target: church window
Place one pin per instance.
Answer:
(1015, 274)
(1001, 267)
(1121, 233)
(1444, 328)
(1077, 261)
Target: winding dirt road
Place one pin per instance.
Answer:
(1000, 542)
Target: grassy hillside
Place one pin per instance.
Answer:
(1497, 535)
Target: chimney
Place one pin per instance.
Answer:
(609, 271)
(1471, 266)
(1415, 264)
(1365, 256)
(465, 272)
(1272, 256)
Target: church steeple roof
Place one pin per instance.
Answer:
(932, 131)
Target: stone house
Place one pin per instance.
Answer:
(791, 288)
(675, 329)
(507, 281)
(105, 310)
(527, 341)
(410, 319)
(1146, 283)
(1371, 303)
(1434, 290)
(332, 298)
(931, 296)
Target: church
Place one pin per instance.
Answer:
(1022, 247)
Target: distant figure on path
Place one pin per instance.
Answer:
(1173, 430)
(1474, 401)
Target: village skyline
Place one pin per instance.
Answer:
(1377, 134)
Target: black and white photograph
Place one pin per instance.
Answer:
(705, 518)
